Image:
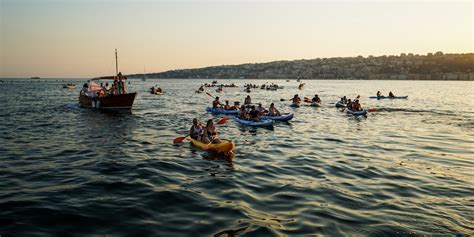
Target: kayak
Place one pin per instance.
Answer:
(387, 97)
(222, 111)
(283, 117)
(339, 104)
(224, 146)
(356, 113)
(262, 123)
(296, 105)
(315, 104)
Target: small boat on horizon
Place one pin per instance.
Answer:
(69, 86)
(35, 78)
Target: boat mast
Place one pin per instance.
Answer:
(116, 63)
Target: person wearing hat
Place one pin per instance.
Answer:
(235, 106)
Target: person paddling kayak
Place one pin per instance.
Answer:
(296, 100)
(272, 111)
(247, 100)
(196, 130)
(227, 105)
(254, 114)
(379, 94)
(260, 109)
(216, 104)
(316, 99)
(210, 133)
(243, 112)
(391, 95)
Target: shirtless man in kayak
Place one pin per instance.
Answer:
(216, 104)
(254, 114)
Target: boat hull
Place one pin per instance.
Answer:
(123, 101)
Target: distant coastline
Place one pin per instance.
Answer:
(433, 66)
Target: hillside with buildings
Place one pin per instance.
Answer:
(437, 66)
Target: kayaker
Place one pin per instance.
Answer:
(356, 106)
(296, 99)
(391, 95)
(196, 130)
(227, 105)
(316, 99)
(379, 94)
(349, 104)
(210, 133)
(254, 114)
(344, 99)
(216, 104)
(260, 109)
(235, 106)
(243, 112)
(247, 100)
(272, 111)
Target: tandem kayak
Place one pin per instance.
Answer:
(262, 123)
(222, 111)
(224, 146)
(356, 113)
(283, 117)
(339, 104)
(388, 97)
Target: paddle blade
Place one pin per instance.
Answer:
(222, 121)
(178, 140)
(209, 94)
(372, 110)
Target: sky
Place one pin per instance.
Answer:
(77, 38)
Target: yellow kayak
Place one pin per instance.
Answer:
(224, 146)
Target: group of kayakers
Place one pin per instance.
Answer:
(155, 90)
(353, 105)
(390, 94)
(205, 134)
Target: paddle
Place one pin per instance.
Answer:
(221, 121)
(209, 94)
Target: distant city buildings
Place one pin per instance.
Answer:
(407, 66)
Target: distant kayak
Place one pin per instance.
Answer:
(224, 146)
(356, 113)
(262, 123)
(387, 97)
(222, 111)
(283, 117)
(339, 104)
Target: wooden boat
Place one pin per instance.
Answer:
(93, 95)
(122, 101)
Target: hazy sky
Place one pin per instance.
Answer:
(74, 38)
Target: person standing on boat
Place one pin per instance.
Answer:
(121, 84)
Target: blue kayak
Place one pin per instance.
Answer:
(339, 104)
(262, 123)
(222, 111)
(356, 113)
(387, 97)
(283, 117)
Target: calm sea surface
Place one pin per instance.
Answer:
(407, 169)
